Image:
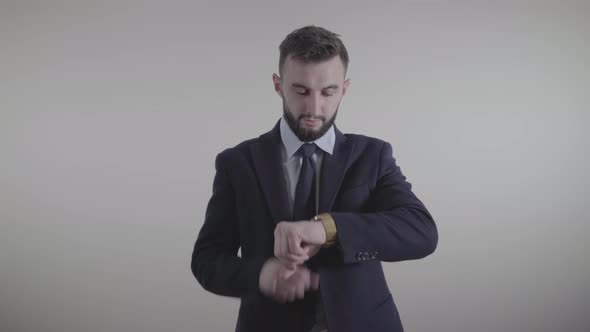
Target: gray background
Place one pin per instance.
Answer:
(111, 114)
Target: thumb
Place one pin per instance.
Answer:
(287, 271)
(310, 249)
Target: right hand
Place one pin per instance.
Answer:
(298, 241)
(284, 284)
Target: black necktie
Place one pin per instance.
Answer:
(304, 203)
(304, 209)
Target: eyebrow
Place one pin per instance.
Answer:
(299, 85)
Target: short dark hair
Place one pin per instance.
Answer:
(312, 44)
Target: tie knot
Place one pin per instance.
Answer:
(307, 150)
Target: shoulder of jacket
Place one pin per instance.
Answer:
(238, 151)
(364, 141)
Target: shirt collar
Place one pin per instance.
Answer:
(292, 143)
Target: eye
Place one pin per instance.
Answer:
(328, 93)
(301, 92)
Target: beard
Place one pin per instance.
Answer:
(307, 134)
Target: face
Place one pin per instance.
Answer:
(311, 94)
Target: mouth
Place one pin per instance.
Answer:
(311, 121)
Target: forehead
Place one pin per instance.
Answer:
(315, 74)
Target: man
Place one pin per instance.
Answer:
(314, 211)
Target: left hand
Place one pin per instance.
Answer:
(283, 285)
(296, 242)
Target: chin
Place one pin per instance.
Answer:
(315, 129)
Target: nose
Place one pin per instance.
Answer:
(314, 105)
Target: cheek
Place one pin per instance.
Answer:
(331, 105)
(294, 105)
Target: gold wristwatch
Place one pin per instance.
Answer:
(330, 227)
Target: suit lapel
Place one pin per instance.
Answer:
(266, 155)
(334, 167)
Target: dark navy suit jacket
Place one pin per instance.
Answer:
(378, 219)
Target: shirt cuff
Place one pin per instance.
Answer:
(330, 227)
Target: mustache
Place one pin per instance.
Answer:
(314, 117)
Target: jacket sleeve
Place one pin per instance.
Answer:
(215, 261)
(397, 228)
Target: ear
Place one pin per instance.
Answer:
(276, 80)
(345, 86)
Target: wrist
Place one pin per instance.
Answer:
(321, 231)
(329, 227)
